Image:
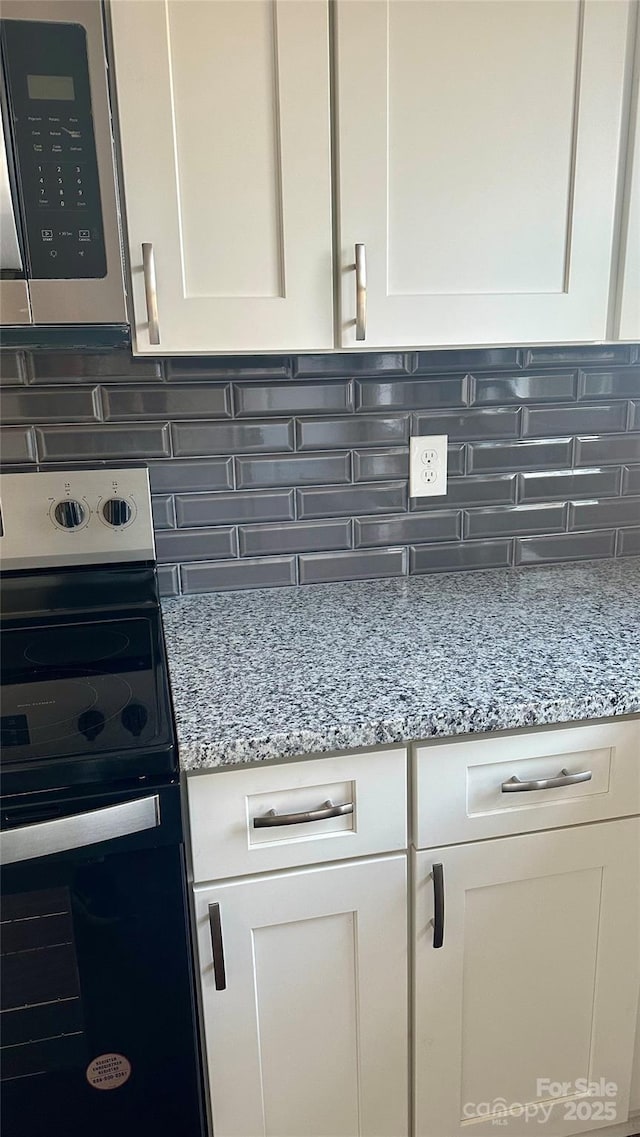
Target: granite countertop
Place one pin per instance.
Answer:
(275, 673)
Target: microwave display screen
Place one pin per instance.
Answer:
(51, 87)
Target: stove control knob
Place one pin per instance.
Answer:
(116, 511)
(69, 513)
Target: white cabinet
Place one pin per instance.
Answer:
(309, 1037)
(537, 978)
(479, 148)
(225, 137)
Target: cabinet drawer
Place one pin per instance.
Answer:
(462, 789)
(235, 832)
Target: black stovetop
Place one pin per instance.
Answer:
(84, 695)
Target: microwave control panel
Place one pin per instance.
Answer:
(49, 105)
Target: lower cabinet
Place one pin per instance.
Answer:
(304, 1001)
(534, 990)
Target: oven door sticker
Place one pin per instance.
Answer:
(108, 1071)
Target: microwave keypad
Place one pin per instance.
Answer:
(57, 167)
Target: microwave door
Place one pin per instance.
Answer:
(15, 307)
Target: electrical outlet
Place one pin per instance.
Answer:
(428, 466)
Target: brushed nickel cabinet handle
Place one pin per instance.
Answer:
(438, 905)
(151, 291)
(361, 292)
(564, 778)
(272, 818)
(217, 947)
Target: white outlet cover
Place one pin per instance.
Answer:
(428, 466)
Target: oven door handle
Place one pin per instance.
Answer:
(80, 829)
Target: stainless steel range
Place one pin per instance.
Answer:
(98, 1033)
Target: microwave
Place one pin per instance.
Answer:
(60, 247)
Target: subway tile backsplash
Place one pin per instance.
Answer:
(278, 470)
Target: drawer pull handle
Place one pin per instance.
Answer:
(438, 906)
(328, 810)
(217, 947)
(564, 778)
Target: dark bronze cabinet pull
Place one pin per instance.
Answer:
(438, 906)
(217, 947)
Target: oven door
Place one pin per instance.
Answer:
(98, 1034)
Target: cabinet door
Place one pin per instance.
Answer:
(535, 986)
(225, 136)
(478, 163)
(310, 1034)
(634, 1102)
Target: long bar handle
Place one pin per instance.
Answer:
(272, 818)
(438, 905)
(217, 947)
(361, 292)
(564, 778)
(61, 834)
(151, 291)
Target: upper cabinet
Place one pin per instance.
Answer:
(478, 165)
(225, 136)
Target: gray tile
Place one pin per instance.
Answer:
(466, 360)
(409, 528)
(298, 470)
(490, 456)
(191, 438)
(623, 384)
(180, 477)
(281, 399)
(629, 543)
(67, 367)
(634, 423)
(168, 580)
(63, 404)
(490, 489)
(70, 443)
(17, 444)
(372, 465)
(462, 556)
(604, 514)
(230, 367)
(608, 449)
(582, 353)
(498, 422)
(542, 422)
(204, 400)
(222, 576)
(455, 459)
(321, 568)
(390, 497)
(296, 537)
(227, 508)
(565, 547)
(517, 519)
(164, 514)
(410, 395)
(564, 485)
(631, 479)
(524, 388)
(356, 363)
(196, 544)
(13, 369)
(350, 431)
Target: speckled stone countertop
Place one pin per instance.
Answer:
(275, 673)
